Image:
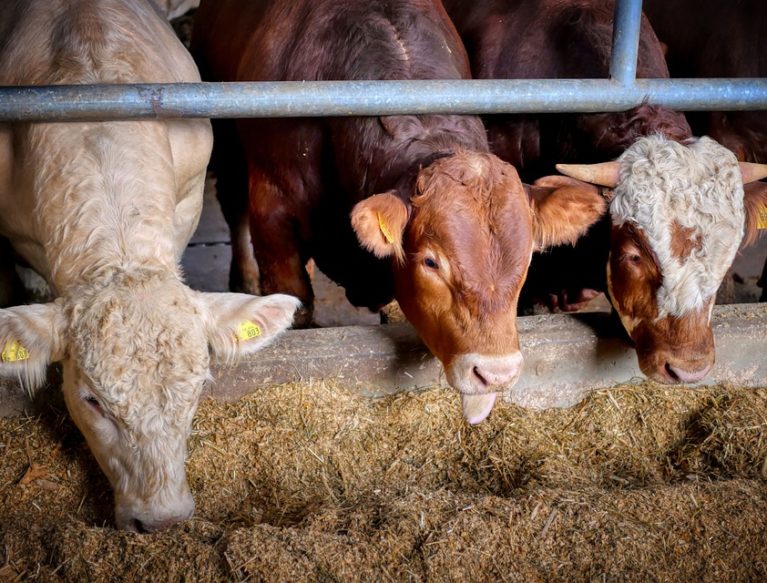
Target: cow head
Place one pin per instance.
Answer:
(135, 357)
(461, 246)
(679, 214)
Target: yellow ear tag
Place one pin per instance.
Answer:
(761, 220)
(248, 330)
(13, 352)
(385, 229)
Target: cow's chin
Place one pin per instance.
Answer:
(672, 362)
(668, 368)
(479, 378)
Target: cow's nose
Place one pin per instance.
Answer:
(678, 374)
(148, 526)
(479, 377)
(493, 373)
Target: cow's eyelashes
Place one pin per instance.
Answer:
(431, 263)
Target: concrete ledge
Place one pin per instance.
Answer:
(566, 356)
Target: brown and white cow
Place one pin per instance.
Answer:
(413, 207)
(662, 288)
(104, 211)
(708, 39)
(679, 213)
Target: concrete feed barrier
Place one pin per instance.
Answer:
(566, 356)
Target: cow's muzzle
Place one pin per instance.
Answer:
(479, 377)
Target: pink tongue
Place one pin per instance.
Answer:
(476, 408)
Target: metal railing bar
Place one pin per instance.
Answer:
(625, 49)
(347, 98)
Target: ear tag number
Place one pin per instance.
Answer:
(247, 330)
(14, 352)
(385, 230)
(761, 221)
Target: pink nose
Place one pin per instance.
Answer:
(493, 373)
(677, 374)
(493, 376)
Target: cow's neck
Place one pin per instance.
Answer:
(105, 200)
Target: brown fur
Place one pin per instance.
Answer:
(536, 39)
(755, 201)
(550, 39)
(569, 204)
(708, 38)
(686, 343)
(635, 277)
(379, 222)
(572, 39)
(684, 240)
(460, 220)
(635, 273)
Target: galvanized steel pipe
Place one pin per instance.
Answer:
(623, 61)
(345, 98)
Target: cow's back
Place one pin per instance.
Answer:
(327, 39)
(321, 167)
(707, 38)
(556, 39)
(48, 172)
(81, 41)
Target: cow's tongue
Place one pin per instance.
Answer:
(476, 408)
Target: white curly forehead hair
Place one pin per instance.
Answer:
(666, 186)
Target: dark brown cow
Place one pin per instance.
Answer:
(444, 226)
(709, 38)
(662, 291)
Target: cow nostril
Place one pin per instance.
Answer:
(139, 527)
(671, 372)
(477, 374)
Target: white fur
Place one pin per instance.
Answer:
(104, 211)
(700, 187)
(176, 8)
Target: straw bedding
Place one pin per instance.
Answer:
(311, 482)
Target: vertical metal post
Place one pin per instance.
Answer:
(623, 61)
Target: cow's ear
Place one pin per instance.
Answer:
(755, 202)
(402, 127)
(379, 222)
(31, 337)
(242, 324)
(563, 209)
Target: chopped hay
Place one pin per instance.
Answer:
(312, 482)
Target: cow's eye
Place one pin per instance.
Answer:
(632, 258)
(93, 402)
(431, 263)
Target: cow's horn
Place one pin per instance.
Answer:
(752, 172)
(604, 174)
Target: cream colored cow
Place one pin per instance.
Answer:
(175, 8)
(104, 211)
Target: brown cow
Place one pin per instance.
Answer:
(646, 253)
(444, 226)
(708, 38)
